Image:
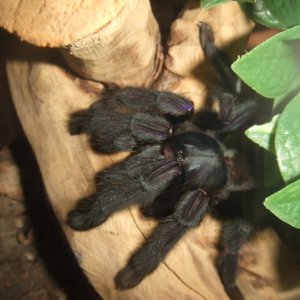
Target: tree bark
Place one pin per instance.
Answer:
(125, 52)
(56, 23)
(45, 93)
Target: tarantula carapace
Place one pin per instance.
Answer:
(179, 168)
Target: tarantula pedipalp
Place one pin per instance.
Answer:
(184, 167)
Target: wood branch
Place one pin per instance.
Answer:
(125, 52)
(100, 39)
(45, 95)
(57, 23)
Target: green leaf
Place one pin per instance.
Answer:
(280, 14)
(271, 170)
(260, 13)
(287, 141)
(286, 12)
(264, 135)
(273, 68)
(280, 103)
(211, 3)
(285, 204)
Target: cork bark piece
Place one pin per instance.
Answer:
(56, 23)
(98, 38)
(124, 52)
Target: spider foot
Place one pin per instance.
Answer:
(86, 215)
(235, 234)
(128, 278)
(79, 122)
(227, 269)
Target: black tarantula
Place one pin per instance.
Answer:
(179, 169)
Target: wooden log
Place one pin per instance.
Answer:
(45, 95)
(125, 52)
(116, 42)
(57, 23)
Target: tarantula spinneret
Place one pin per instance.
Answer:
(174, 162)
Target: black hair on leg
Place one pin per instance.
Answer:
(222, 63)
(138, 179)
(188, 214)
(234, 235)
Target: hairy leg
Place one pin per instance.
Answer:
(111, 132)
(188, 214)
(133, 100)
(234, 111)
(220, 60)
(138, 179)
(125, 119)
(234, 236)
(164, 204)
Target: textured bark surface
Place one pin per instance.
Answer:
(57, 23)
(125, 52)
(45, 93)
(116, 42)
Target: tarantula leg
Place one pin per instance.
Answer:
(134, 100)
(233, 113)
(164, 204)
(136, 180)
(126, 119)
(220, 60)
(112, 132)
(115, 131)
(234, 236)
(79, 122)
(240, 114)
(188, 214)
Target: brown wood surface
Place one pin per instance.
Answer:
(100, 39)
(45, 93)
(124, 52)
(57, 23)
